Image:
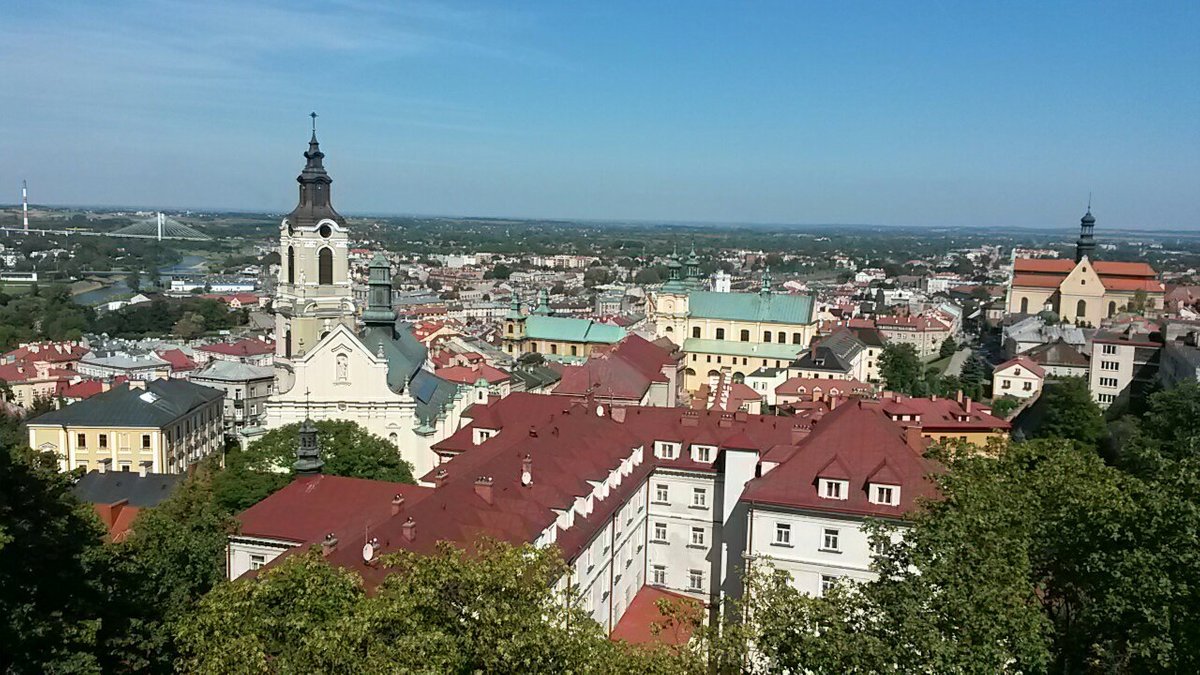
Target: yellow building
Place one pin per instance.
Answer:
(741, 332)
(1084, 291)
(164, 425)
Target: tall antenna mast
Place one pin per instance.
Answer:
(25, 205)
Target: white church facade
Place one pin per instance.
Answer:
(329, 367)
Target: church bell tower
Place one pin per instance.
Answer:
(313, 294)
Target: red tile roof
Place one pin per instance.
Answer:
(1024, 362)
(247, 347)
(945, 414)
(643, 621)
(471, 374)
(803, 386)
(48, 352)
(1115, 275)
(1044, 265)
(853, 442)
(179, 361)
(625, 371)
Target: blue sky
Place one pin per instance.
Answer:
(920, 113)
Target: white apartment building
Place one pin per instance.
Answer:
(634, 497)
(1122, 365)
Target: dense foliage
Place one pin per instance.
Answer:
(901, 369)
(46, 312)
(164, 317)
(266, 465)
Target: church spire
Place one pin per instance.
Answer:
(315, 204)
(1086, 244)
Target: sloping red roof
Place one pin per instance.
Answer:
(1036, 281)
(310, 507)
(1125, 269)
(1121, 284)
(943, 414)
(86, 388)
(471, 374)
(179, 361)
(643, 622)
(1044, 265)
(1024, 362)
(247, 347)
(117, 518)
(625, 371)
(48, 352)
(855, 439)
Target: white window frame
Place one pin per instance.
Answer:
(698, 537)
(783, 534)
(877, 494)
(662, 493)
(831, 539)
(827, 582)
(699, 498)
(696, 580)
(659, 575)
(660, 528)
(832, 488)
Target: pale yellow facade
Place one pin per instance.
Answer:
(1080, 298)
(169, 449)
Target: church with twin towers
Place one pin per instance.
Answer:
(331, 363)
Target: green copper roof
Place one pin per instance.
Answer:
(764, 307)
(754, 350)
(563, 329)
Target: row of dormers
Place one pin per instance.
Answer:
(887, 494)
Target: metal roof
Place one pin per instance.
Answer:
(754, 307)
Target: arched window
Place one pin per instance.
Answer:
(739, 377)
(714, 374)
(669, 330)
(394, 438)
(1112, 309)
(291, 265)
(553, 348)
(720, 333)
(325, 266)
(745, 336)
(1081, 309)
(696, 332)
(1024, 305)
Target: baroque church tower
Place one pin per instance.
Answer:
(313, 294)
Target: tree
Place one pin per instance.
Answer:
(901, 369)
(48, 601)
(499, 271)
(1071, 413)
(346, 448)
(496, 609)
(190, 325)
(1040, 558)
(1003, 406)
(174, 555)
(948, 348)
(134, 281)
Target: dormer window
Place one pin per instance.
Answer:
(833, 489)
(888, 495)
(666, 450)
(702, 453)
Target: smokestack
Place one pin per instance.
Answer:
(967, 405)
(409, 529)
(912, 436)
(527, 471)
(160, 225)
(25, 205)
(397, 504)
(483, 488)
(329, 545)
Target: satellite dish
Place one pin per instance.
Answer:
(526, 478)
(368, 552)
(599, 411)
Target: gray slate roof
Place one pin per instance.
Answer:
(113, 486)
(161, 403)
(233, 371)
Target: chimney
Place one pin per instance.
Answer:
(527, 471)
(397, 504)
(439, 477)
(933, 397)
(959, 397)
(833, 402)
(967, 405)
(483, 488)
(137, 384)
(798, 433)
(912, 436)
(329, 545)
(105, 465)
(618, 415)
(144, 467)
(726, 421)
(409, 529)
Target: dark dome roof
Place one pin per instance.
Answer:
(1088, 218)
